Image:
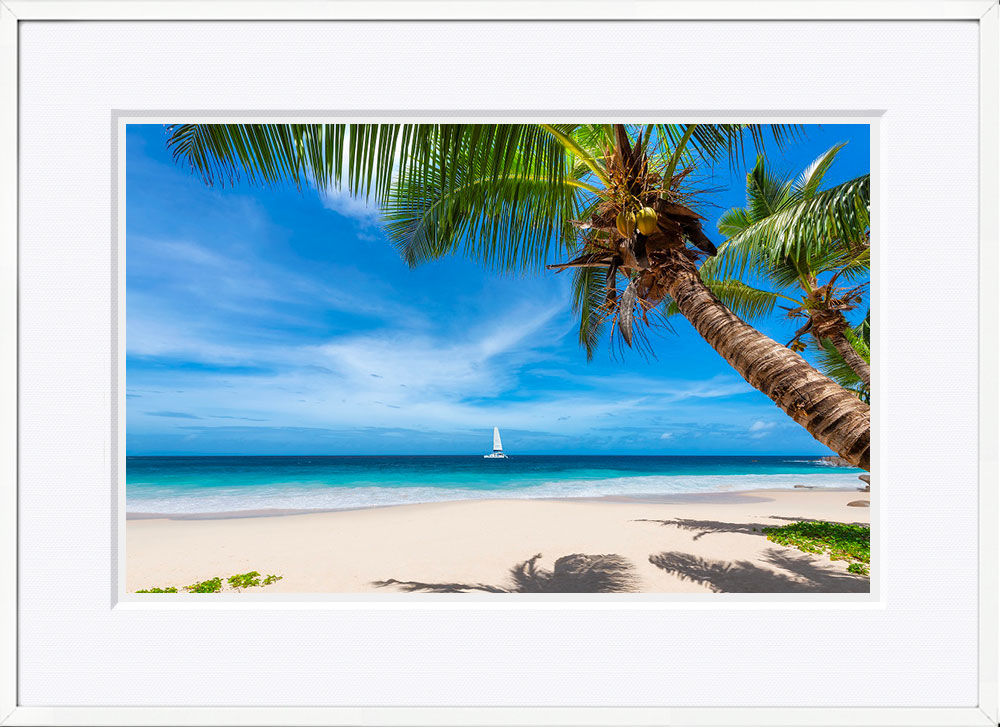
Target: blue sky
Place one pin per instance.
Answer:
(269, 321)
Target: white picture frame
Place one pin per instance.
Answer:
(983, 12)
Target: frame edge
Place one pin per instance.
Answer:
(989, 358)
(988, 15)
(8, 360)
(498, 9)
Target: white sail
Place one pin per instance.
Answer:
(497, 452)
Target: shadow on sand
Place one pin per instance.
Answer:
(705, 527)
(576, 573)
(795, 574)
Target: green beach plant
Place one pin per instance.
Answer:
(212, 585)
(251, 580)
(841, 541)
(513, 196)
(237, 582)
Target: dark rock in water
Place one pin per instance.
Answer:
(805, 487)
(833, 461)
(867, 479)
(859, 503)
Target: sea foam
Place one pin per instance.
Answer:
(304, 497)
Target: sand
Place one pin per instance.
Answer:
(673, 544)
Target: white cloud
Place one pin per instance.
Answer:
(667, 435)
(761, 428)
(365, 212)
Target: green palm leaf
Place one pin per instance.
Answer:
(806, 226)
(832, 364)
(714, 142)
(807, 183)
(589, 299)
(366, 158)
(746, 301)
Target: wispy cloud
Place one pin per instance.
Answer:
(362, 211)
(228, 306)
(761, 428)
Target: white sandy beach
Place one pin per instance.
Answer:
(680, 545)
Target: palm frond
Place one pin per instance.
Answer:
(849, 262)
(715, 142)
(367, 159)
(807, 183)
(767, 192)
(495, 191)
(832, 364)
(589, 302)
(808, 225)
(746, 301)
(506, 223)
(735, 258)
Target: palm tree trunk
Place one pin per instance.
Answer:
(833, 415)
(852, 358)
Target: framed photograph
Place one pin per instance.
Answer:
(500, 363)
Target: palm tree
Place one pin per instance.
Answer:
(831, 363)
(510, 195)
(803, 271)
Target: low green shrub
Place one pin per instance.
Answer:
(860, 568)
(842, 541)
(212, 585)
(237, 582)
(244, 580)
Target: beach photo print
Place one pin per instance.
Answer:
(401, 359)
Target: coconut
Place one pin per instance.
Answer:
(625, 222)
(646, 220)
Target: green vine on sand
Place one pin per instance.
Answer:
(237, 582)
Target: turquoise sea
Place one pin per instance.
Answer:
(193, 485)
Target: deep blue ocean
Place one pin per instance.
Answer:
(185, 485)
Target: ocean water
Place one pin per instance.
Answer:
(191, 485)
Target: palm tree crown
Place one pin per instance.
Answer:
(810, 246)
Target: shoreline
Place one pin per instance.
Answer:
(706, 542)
(719, 496)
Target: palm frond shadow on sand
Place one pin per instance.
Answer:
(794, 574)
(706, 527)
(576, 573)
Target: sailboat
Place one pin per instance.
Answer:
(497, 452)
